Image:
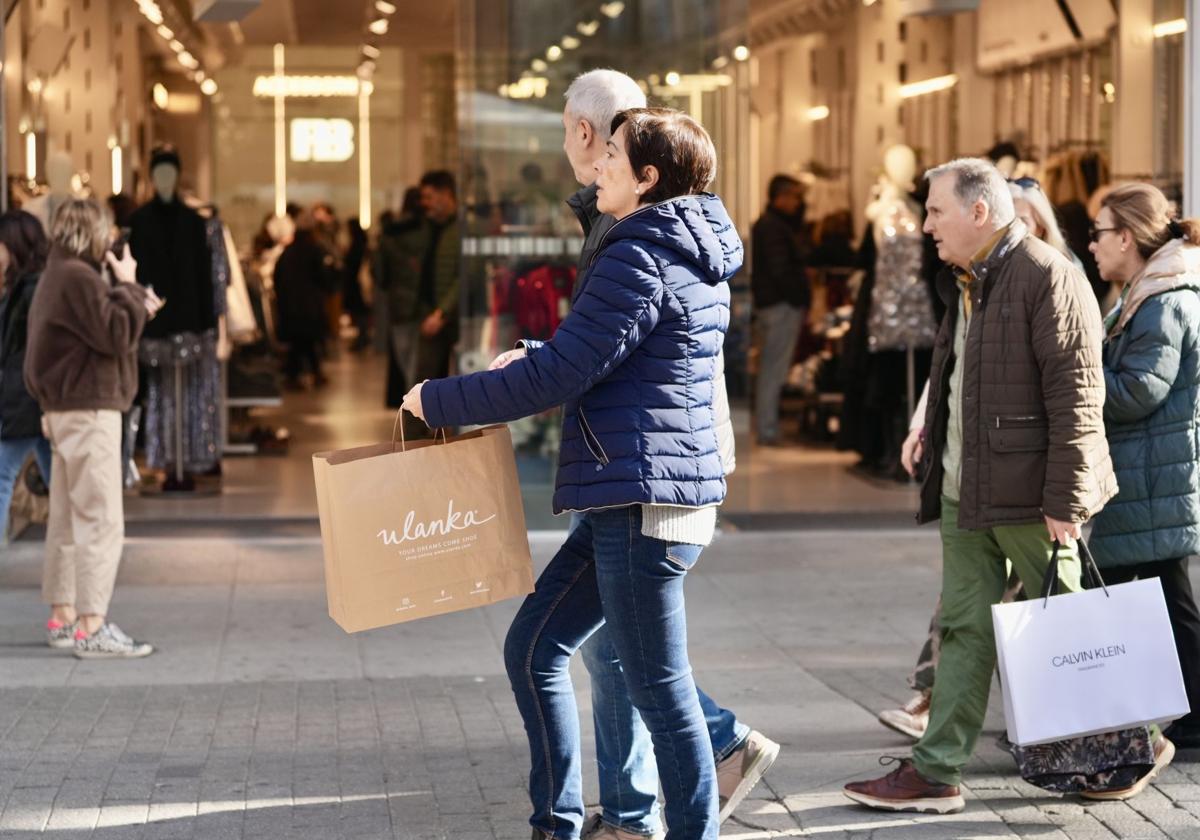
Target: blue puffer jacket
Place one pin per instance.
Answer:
(633, 365)
(1152, 415)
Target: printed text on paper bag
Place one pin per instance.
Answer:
(414, 531)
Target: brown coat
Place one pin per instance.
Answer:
(83, 336)
(1033, 392)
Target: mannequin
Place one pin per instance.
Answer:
(178, 351)
(60, 171)
(894, 324)
(901, 312)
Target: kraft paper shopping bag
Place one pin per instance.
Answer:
(421, 529)
(1087, 662)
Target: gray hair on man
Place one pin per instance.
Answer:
(598, 95)
(979, 180)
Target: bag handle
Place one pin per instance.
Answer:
(1091, 572)
(399, 427)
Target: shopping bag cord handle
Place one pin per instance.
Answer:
(399, 427)
(1091, 572)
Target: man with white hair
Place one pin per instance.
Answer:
(624, 752)
(1013, 452)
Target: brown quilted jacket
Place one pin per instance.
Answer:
(1033, 392)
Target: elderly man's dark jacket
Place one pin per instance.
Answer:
(1033, 392)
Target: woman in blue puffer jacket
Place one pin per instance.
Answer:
(633, 365)
(1152, 412)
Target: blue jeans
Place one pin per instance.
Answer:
(624, 754)
(607, 570)
(12, 458)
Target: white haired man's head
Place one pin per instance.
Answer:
(969, 201)
(592, 100)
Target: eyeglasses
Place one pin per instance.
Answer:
(1094, 232)
(1026, 183)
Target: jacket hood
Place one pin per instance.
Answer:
(696, 227)
(1175, 265)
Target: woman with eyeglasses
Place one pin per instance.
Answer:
(1034, 210)
(1152, 412)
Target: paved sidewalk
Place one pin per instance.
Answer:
(260, 718)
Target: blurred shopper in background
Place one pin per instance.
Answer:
(779, 284)
(23, 252)
(304, 276)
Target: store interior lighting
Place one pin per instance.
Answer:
(166, 32)
(118, 175)
(161, 96)
(928, 86)
(673, 78)
(370, 51)
(587, 28)
(554, 53)
(384, 7)
(31, 156)
(379, 26)
(570, 42)
(1170, 27)
(612, 10)
(720, 62)
(818, 113)
(741, 52)
(208, 87)
(538, 65)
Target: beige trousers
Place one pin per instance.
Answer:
(86, 529)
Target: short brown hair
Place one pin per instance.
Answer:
(1144, 211)
(81, 228)
(674, 144)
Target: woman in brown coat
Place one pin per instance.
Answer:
(81, 366)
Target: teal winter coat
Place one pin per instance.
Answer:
(1152, 415)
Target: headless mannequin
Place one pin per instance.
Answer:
(899, 174)
(170, 243)
(59, 173)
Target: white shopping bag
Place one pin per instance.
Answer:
(1087, 662)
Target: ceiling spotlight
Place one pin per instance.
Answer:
(554, 53)
(741, 52)
(587, 28)
(166, 33)
(370, 51)
(188, 60)
(177, 45)
(35, 85)
(208, 87)
(366, 69)
(672, 79)
(160, 95)
(379, 26)
(613, 9)
(385, 7)
(539, 65)
(570, 42)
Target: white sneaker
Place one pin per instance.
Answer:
(740, 772)
(109, 642)
(596, 828)
(912, 719)
(60, 636)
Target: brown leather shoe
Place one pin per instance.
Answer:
(904, 789)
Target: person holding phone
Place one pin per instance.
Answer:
(81, 367)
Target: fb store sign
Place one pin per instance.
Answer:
(322, 140)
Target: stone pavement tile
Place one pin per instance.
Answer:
(27, 809)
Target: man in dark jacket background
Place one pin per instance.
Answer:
(779, 284)
(1015, 455)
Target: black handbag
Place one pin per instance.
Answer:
(1108, 761)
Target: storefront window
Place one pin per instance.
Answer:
(521, 241)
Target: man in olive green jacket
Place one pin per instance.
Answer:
(1015, 452)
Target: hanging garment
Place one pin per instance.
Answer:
(901, 310)
(240, 322)
(193, 357)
